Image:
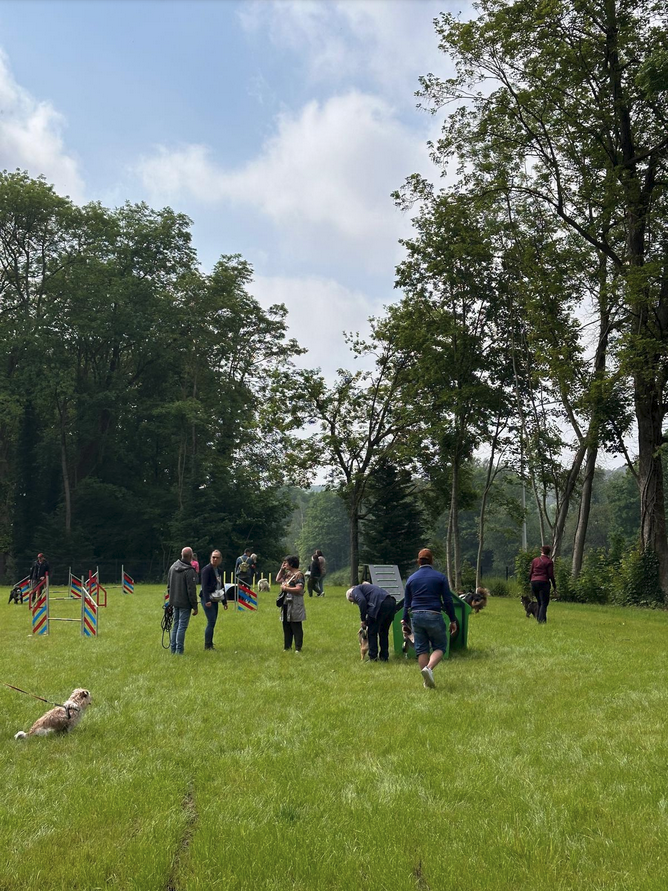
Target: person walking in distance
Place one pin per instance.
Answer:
(211, 595)
(182, 589)
(542, 576)
(313, 583)
(426, 597)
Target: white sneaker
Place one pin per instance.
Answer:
(428, 676)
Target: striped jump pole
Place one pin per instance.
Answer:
(89, 615)
(246, 598)
(76, 587)
(127, 582)
(40, 607)
(24, 587)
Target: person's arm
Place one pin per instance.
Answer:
(361, 601)
(408, 599)
(191, 585)
(446, 598)
(550, 575)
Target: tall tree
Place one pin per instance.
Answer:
(577, 118)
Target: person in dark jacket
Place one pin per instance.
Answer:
(426, 598)
(377, 609)
(211, 595)
(182, 589)
(37, 572)
(541, 576)
(313, 583)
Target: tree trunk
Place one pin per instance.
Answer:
(354, 540)
(583, 514)
(454, 516)
(66, 480)
(562, 513)
(649, 414)
(448, 551)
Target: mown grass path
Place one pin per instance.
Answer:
(539, 762)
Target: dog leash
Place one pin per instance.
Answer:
(66, 708)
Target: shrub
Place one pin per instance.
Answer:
(563, 579)
(499, 587)
(637, 581)
(594, 582)
(468, 576)
(523, 570)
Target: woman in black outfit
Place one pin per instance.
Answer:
(212, 593)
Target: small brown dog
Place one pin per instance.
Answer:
(62, 718)
(530, 606)
(363, 637)
(477, 599)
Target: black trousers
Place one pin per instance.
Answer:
(379, 630)
(541, 591)
(293, 630)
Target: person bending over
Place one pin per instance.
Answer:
(377, 609)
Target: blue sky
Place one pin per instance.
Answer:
(280, 128)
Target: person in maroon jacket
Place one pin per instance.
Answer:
(542, 575)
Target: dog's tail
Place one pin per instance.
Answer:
(20, 735)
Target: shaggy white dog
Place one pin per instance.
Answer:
(61, 718)
(263, 586)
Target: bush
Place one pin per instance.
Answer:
(637, 581)
(594, 582)
(468, 576)
(564, 579)
(523, 571)
(499, 587)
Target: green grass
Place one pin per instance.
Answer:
(539, 762)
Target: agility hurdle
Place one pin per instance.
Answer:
(74, 588)
(94, 588)
(41, 617)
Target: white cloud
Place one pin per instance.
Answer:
(392, 42)
(30, 137)
(324, 178)
(320, 310)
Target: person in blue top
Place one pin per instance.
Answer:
(377, 609)
(426, 598)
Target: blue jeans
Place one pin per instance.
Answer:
(211, 613)
(179, 628)
(428, 631)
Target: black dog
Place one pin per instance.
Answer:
(530, 607)
(16, 595)
(477, 599)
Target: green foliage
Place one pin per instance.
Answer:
(499, 587)
(564, 579)
(325, 526)
(523, 570)
(594, 583)
(637, 582)
(393, 529)
(136, 409)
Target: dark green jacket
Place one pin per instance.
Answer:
(182, 585)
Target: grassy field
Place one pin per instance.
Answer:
(539, 762)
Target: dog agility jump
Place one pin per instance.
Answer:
(42, 618)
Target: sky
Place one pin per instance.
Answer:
(280, 127)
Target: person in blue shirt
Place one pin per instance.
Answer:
(427, 597)
(377, 609)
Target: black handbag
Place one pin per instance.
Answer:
(280, 600)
